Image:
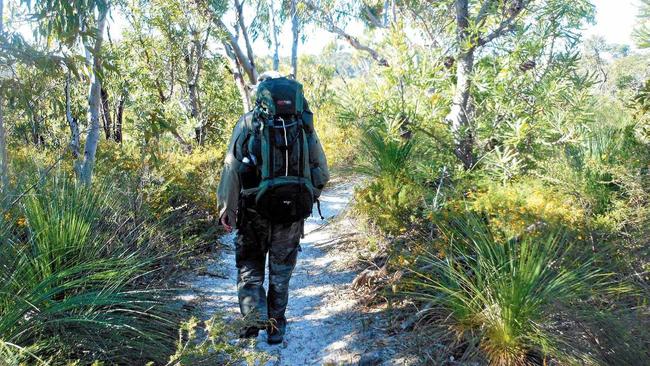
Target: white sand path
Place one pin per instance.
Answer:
(323, 320)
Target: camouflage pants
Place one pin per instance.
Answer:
(255, 238)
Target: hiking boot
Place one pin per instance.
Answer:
(249, 332)
(275, 331)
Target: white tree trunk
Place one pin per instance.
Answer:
(239, 7)
(4, 163)
(274, 35)
(457, 117)
(236, 70)
(294, 45)
(94, 96)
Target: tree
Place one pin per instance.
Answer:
(273, 31)
(242, 63)
(93, 54)
(295, 32)
(323, 13)
(472, 34)
(69, 22)
(642, 31)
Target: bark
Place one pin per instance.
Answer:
(294, 45)
(247, 66)
(4, 163)
(241, 65)
(4, 179)
(94, 96)
(274, 35)
(37, 138)
(106, 114)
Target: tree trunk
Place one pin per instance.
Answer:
(119, 117)
(457, 118)
(237, 74)
(194, 63)
(94, 96)
(106, 114)
(274, 35)
(72, 122)
(294, 45)
(4, 164)
(239, 7)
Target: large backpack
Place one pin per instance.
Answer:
(278, 153)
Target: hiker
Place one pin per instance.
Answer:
(274, 171)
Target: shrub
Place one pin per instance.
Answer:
(71, 286)
(390, 203)
(514, 207)
(502, 295)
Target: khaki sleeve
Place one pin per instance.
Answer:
(318, 159)
(229, 185)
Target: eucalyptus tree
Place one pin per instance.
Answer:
(273, 32)
(295, 33)
(187, 29)
(242, 60)
(70, 23)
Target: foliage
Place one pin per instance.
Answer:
(500, 295)
(515, 208)
(642, 32)
(69, 264)
(390, 203)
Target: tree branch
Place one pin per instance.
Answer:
(239, 7)
(507, 24)
(326, 18)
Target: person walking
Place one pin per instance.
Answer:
(273, 173)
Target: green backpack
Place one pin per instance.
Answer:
(276, 173)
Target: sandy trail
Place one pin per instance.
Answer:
(323, 320)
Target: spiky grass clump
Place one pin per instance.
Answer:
(501, 294)
(70, 287)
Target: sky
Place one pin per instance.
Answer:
(615, 21)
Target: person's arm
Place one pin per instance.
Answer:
(317, 158)
(229, 185)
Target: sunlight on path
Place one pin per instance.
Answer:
(322, 315)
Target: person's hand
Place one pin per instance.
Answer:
(225, 221)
